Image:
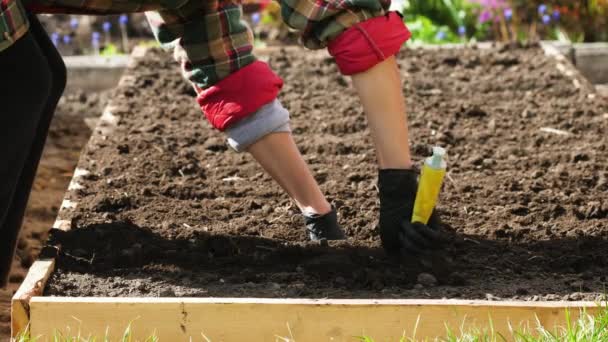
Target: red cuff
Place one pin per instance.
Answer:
(368, 43)
(239, 94)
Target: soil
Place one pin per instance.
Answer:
(67, 136)
(168, 210)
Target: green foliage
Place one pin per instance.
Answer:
(110, 50)
(425, 31)
(448, 16)
(452, 13)
(572, 20)
(581, 20)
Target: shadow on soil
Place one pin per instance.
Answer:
(469, 266)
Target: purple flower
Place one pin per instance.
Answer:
(508, 12)
(74, 23)
(440, 35)
(55, 38)
(123, 19)
(485, 16)
(67, 39)
(556, 15)
(491, 4)
(106, 26)
(542, 9)
(546, 19)
(255, 18)
(462, 31)
(95, 37)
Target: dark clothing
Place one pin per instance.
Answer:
(37, 77)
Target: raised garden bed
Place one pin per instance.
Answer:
(161, 208)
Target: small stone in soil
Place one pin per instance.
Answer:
(168, 292)
(490, 296)
(427, 279)
(340, 281)
(123, 149)
(457, 279)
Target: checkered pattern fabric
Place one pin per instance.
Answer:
(13, 22)
(208, 37)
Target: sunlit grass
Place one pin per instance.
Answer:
(587, 328)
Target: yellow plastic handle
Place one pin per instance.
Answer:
(427, 194)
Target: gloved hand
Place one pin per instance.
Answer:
(397, 192)
(324, 227)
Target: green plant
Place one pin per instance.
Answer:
(425, 31)
(460, 16)
(110, 50)
(445, 12)
(570, 20)
(581, 20)
(509, 20)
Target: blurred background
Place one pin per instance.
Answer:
(431, 22)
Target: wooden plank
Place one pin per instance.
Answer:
(592, 60)
(32, 285)
(258, 319)
(568, 69)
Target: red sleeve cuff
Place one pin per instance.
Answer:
(240, 94)
(368, 43)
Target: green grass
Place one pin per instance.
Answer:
(587, 328)
(127, 336)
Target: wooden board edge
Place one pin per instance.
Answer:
(21, 305)
(261, 318)
(32, 286)
(320, 301)
(567, 68)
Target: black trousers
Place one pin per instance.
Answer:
(32, 79)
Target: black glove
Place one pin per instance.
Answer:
(324, 227)
(398, 234)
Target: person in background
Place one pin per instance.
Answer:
(236, 92)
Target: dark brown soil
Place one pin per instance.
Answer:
(168, 211)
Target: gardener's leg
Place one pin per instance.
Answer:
(14, 216)
(279, 156)
(24, 91)
(363, 37)
(379, 89)
(238, 95)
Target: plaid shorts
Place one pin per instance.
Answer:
(209, 38)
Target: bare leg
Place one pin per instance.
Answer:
(279, 156)
(379, 89)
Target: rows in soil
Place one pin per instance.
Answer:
(168, 210)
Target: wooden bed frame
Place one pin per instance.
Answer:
(263, 319)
